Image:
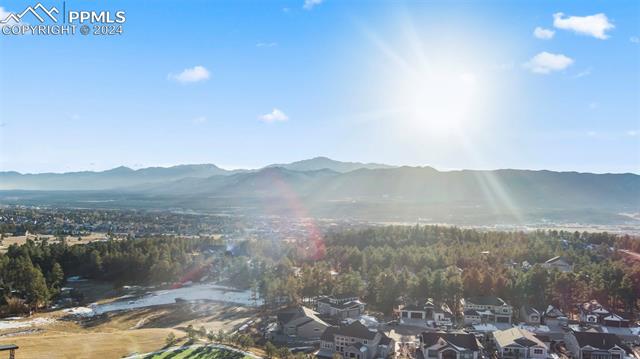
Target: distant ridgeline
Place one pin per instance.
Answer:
(327, 188)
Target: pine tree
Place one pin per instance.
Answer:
(37, 293)
(56, 276)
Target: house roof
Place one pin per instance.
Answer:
(616, 318)
(592, 305)
(345, 296)
(384, 340)
(336, 303)
(531, 310)
(603, 341)
(413, 307)
(287, 315)
(460, 340)
(558, 259)
(356, 330)
(359, 346)
(517, 336)
(486, 300)
(553, 312)
(328, 333)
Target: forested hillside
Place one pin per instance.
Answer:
(384, 265)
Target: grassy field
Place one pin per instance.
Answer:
(203, 352)
(71, 240)
(119, 334)
(89, 345)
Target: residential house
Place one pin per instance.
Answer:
(355, 341)
(489, 309)
(439, 315)
(614, 320)
(626, 335)
(471, 317)
(439, 345)
(560, 263)
(592, 312)
(342, 306)
(413, 311)
(517, 343)
(442, 315)
(554, 317)
(588, 345)
(530, 315)
(297, 324)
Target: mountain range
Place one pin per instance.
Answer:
(329, 188)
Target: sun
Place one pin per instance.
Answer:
(435, 101)
(433, 85)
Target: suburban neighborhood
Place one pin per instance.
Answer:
(485, 327)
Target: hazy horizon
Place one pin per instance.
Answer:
(228, 168)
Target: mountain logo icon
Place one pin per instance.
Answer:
(33, 10)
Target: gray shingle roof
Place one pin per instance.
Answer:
(604, 341)
(486, 300)
(328, 333)
(464, 340)
(356, 330)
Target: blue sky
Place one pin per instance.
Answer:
(456, 84)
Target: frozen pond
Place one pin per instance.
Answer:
(191, 293)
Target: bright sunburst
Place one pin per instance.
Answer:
(432, 87)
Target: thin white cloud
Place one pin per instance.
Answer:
(593, 25)
(274, 116)
(266, 44)
(632, 133)
(194, 74)
(635, 39)
(310, 4)
(593, 105)
(583, 73)
(199, 120)
(545, 63)
(544, 34)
